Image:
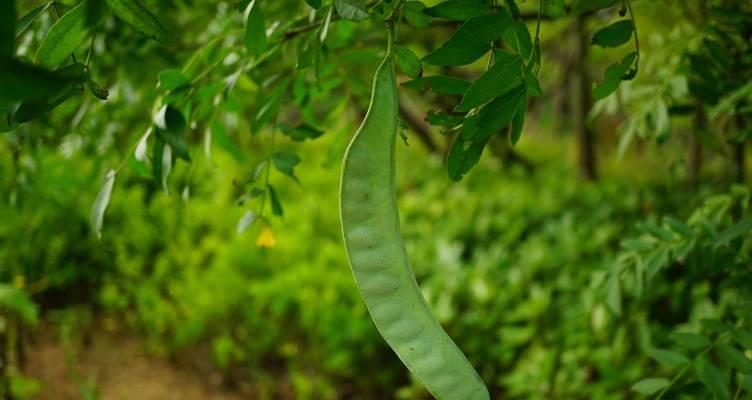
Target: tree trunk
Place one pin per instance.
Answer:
(582, 86)
(694, 158)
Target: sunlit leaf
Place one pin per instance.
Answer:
(413, 12)
(63, 38)
(351, 9)
(23, 23)
(504, 75)
(245, 222)
(668, 357)
(650, 385)
(101, 203)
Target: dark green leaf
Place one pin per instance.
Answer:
(714, 325)
(499, 79)
(463, 156)
(614, 35)
(458, 10)
(514, 11)
(414, 14)
(170, 79)
(734, 358)
(496, 115)
(314, 3)
(255, 29)
(439, 84)
(301, 132)
(517, 36)
(741, 228)
(138, 17)
(554, 8)
(409, 63)
(690, 341)
(650, 385)
(63, 38)
(744, 338)
(712, 378)
(518, 122)
(94, 12)
(668, 357)
(24, 22)
(470, 42)
(353, 10)
(7, 28)
(172, 128)
(286, 162)
(584, 6)
(276, 205)
(532, 83)
(74, 76)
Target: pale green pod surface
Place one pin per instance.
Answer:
(135, 14)
(378, 259)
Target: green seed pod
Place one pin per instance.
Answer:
(378, 259)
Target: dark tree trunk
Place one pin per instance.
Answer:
(582, 87)
(694, 158)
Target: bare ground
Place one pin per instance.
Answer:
(115, 367)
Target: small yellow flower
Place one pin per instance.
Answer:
(266, 238)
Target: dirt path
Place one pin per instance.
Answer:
(114, 368)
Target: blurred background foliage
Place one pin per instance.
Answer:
(607, 255)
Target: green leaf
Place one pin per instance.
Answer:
(712, 378)
(63, 38)
(95, 12)
(7, 28)
(614, 35)
(518, 122)
(668, 357)
(414, 14)
(439, 84)
(285, 163)
(19, 303)
(138, 17)
(650, 385)
(714, 325)
(690, 341)
(301, 132)
(276, 205)
(440, 118)
(32, 109)
(316, 4)
(172, 128)
(470, 42)
(351, 9)
(22, 81)
(614, 75)
(170, 79)
(496, 115)
(499, 79)
(23, 23)
(408, 62)
(744, 338)
(517, 36)
(532, 83)
(554, 8)
(255, 29)
(737, 230)
(584, 6)
(734, 358)
(463, 156)
(101, 203)
(219, 135)
(458, 10)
